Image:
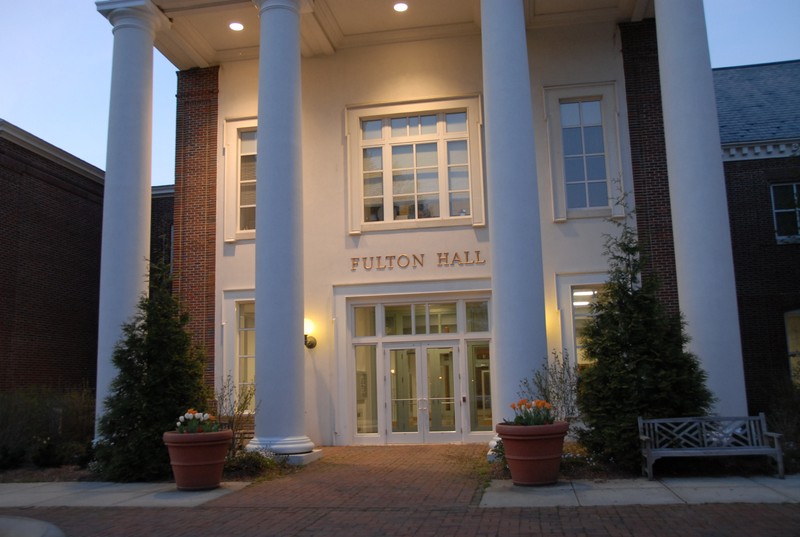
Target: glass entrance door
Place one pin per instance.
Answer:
(423, 403)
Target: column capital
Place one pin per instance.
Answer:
(133, 13)
(298, 6)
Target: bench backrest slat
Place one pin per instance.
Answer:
(704, 432)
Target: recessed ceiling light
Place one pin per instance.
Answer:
(236, 26)
(400, 7)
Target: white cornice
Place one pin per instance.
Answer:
(760, 150)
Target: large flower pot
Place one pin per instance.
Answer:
(533, 452)
(198, 459)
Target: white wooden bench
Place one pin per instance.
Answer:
(710, 436)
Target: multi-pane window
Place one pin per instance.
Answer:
(586, 159)
(582, 299)
(246, 349)
(247, 180)
(416, 167)
(585, 172)
(786, 212)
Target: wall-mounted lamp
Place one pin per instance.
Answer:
(308, 340)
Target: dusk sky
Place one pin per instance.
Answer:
(56, 68)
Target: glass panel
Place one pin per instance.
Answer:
(480, 392)
(573, 145)
(458, 178)
(247, 142)
(783, 196)
(247, 315)
(595, 168)
(246, 362)
(372, 159)
(478, 316)
(402, 183)
(457, 152)
(373, 184)
(459, 204)
(428, 124)
(428, 181)
(427, 155)
(371, 130)
(793, 344)
(456, 122)
(570, 114)
(441, 396)
(247, 218)
(364, 321)
(428, 207)
(403, 370)
(399, 126)
(420, 319)
(593, 139)
(247, 342)
(573, 169)
(402, 156)
(786, 223)
(373, 211)
(591, 113)
(443, 318)
(397, 320)
(598, 194)
(247, 194)
(576, 196)
(404, 208)
(247, 168)
(247, 370)
(366, 390)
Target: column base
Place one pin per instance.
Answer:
(288, 445)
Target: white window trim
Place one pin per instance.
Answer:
(354, 114)
(607, 93)
(782, 239)
(229, 362)
(230, 191)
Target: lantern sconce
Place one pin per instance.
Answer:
(308, 340)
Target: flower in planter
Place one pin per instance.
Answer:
(535, 412)
(197, 422)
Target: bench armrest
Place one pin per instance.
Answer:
(775, 438)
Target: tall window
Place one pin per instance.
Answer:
(786, 212)
(585, 153)
(793, 344)
(415, 166)
(247, 180)
(585, 171)
(246, 349)
(582, 299)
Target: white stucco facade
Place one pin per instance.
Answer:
(517, 231)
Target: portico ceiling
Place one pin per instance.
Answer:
(199, 35)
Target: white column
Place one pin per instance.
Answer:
(703, 257)
(279, 423)
(518, 320)
(126, 197)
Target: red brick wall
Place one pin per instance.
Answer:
(195, 204)
(50, 229)
(649, 158)
(767, 273)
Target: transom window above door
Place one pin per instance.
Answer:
(415, 165)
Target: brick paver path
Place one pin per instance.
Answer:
(408, 491)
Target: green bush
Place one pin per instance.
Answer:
(64, 417)
(640, 364)
(160, 376)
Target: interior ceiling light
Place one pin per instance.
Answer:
(236, 26)
(400, 7)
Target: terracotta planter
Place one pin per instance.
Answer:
(198, 459)
(533, 452)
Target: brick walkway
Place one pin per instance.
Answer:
(408, 491)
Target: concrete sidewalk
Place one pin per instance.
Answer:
(501, 493)
(688, 490)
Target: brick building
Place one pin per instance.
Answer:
(430, 189)
(759, 111)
